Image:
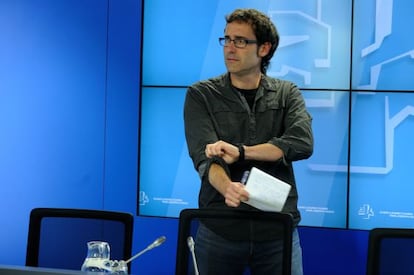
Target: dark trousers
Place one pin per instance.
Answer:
(216, 255)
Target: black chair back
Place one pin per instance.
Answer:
(190, 218)
(58, 237)
(390, 251)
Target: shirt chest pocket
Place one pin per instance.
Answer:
(270, 118)
(230, 122)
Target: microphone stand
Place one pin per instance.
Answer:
(190, 243)
(156, 243)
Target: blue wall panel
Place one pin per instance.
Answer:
(52, 111)
(122, 101)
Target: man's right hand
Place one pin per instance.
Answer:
(235, 193)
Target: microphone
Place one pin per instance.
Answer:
(156, 243)
(190, 243)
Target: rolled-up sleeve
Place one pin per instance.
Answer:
(199, 128)
(297, 139)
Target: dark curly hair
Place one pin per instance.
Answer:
(263, 28)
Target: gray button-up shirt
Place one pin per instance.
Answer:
(214, 111)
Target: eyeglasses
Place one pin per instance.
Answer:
(237, 42)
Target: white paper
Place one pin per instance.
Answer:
(266, 192)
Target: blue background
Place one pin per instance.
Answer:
(70, 122)
(324, 48)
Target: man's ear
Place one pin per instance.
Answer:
(264, 49)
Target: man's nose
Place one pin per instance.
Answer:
(230, 47)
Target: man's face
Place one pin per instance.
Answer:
(242, 61)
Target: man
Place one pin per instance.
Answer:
(236, 121)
